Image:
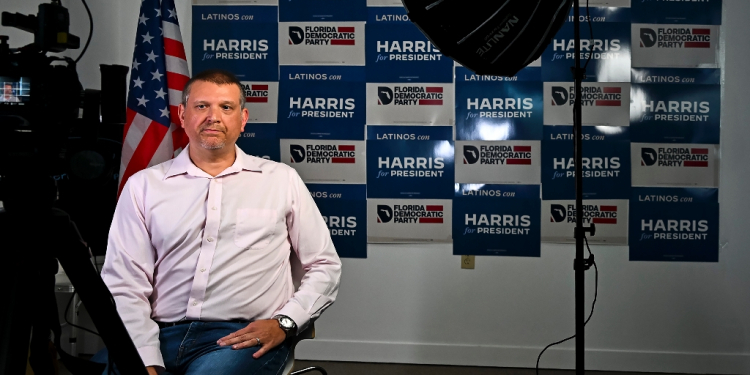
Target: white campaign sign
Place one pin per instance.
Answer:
(605, 104)
(262, 101)
(677, 46)
(326, 160)
(322, 43)
(409, 220)
(500, 162)
(410, 104)
(675, 165)
(609, 216)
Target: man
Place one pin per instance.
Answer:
(198, 254)
(8, 96)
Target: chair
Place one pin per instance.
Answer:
(309, 333)
(297, 274)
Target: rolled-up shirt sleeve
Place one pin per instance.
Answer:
(129, 270)
(311, 241)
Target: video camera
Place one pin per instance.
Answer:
(56, 147)
(39, 100)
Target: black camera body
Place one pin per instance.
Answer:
(60, 144)
(35, 128)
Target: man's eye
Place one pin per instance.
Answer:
(226, 107)
(200, 106)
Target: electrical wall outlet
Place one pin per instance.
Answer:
(467, 262)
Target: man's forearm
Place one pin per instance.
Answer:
(128, 273)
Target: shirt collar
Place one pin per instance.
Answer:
(182, 164)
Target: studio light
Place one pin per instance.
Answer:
(490, 37)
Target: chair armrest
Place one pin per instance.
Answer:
(307, 334)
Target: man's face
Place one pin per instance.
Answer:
(7, 90)
(212, 117)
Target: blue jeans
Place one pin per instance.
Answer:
(191, 349)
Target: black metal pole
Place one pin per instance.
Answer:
(98, 300)
(579, 231)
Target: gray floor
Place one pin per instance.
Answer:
(351, 368)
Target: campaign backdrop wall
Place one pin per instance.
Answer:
(352, 93)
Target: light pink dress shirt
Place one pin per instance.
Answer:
(185, 245)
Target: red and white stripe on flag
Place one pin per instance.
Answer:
(159, 73)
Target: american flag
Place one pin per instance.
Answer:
(152, 132)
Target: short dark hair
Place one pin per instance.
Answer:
(217, 76)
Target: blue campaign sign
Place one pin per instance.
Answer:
(344, 209)
(322, 10)
(677, 12)
(600, 14)
(410, 162)
(260, 140)
(662, 113)
(497, 220)
(674, 224)
(609, 51)
(606, 163)
(322, 102)
(240, 39)
(396, 51)
(492, 111)
(677, 76)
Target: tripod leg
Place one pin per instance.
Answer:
(28, 279)
(74, 257)
(15, 320)
(40, 358)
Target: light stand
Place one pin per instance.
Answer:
(581, 264)
(501, 38)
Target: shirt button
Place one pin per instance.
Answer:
(195, 303)
(213, 208)
(210, 239)
(203, 270)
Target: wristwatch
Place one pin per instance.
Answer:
(287, 324)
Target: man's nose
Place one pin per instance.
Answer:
(211, 114)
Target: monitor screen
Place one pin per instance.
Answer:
(15, 91)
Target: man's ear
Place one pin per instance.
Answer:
(181, 114)
(245, 116)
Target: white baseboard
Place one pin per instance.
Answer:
(522, 357)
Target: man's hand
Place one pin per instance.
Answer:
(267, 331)
(152, 370)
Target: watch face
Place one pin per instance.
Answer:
(286, 322)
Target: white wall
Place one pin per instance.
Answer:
(413, 304)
